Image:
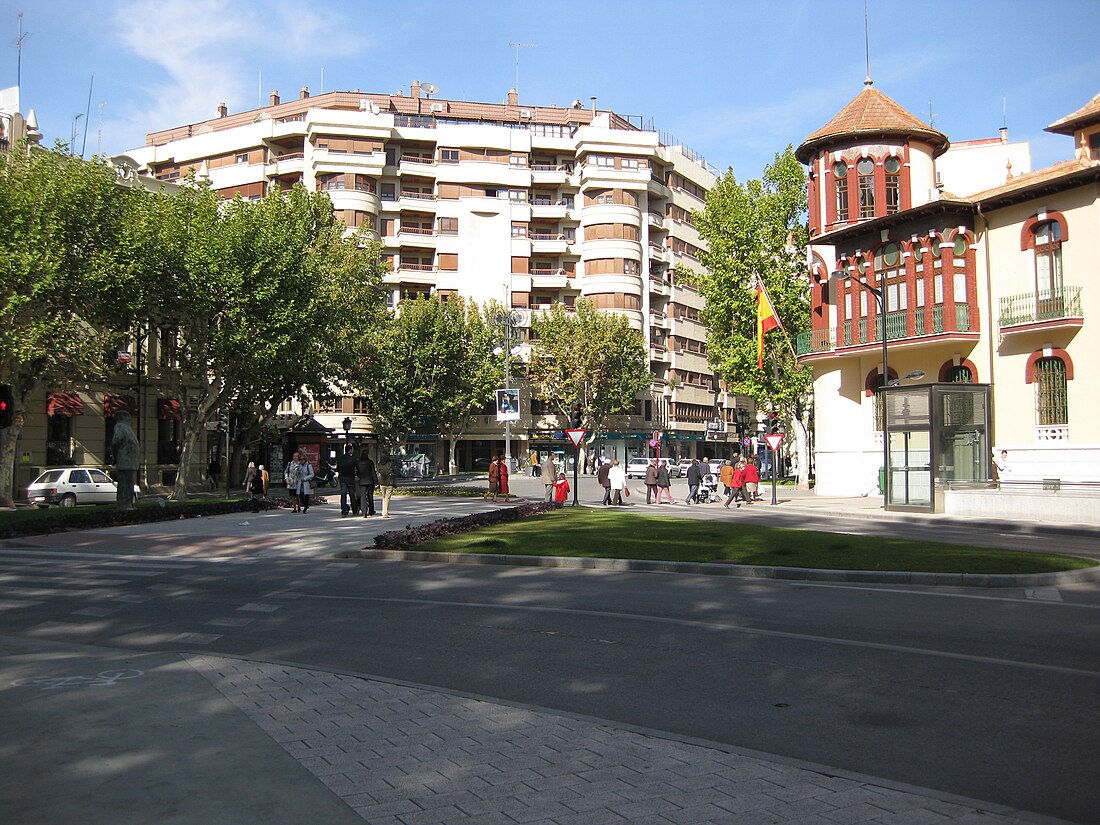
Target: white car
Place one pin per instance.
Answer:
(636, 467)
(70, 486)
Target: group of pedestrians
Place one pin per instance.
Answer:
(741, 480)
(359, 478)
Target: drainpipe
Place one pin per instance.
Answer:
(984, 223)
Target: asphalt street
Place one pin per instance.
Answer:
(985, 694)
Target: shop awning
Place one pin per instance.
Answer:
(64, 403)
(169, 409)
(114, 404)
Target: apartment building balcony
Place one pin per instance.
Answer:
(327, 160)
(416, 164)
(290, 126)
(549, 243)
(658, 319)
(549, 278)
(685, 359)
(860, 333)
(418, 235)
(416, 200)
(288, 163)
(592, 173)
(658, 253)
(551, 173)
(656, 219)
(658, 285)
(550, 208)
(1032, 311)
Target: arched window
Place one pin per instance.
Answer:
(1051, 397)
(866, 171)
(960, 375)
(1048, 261)
(840, 172)
(892, 166)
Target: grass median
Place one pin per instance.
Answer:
(590, 533)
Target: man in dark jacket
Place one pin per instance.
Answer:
(347, 468)
(651, 481)
(695, 478)
(368, 479)
(603, 475)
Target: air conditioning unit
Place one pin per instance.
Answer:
(437, 107)
(526, 113)
(364, 105)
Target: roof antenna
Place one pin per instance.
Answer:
(931, 115)
(867, 81)
(517, 47)
(19, 52)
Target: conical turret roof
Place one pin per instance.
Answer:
(871, 114)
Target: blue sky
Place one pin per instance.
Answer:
(735, 80)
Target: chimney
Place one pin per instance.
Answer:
(593, 99)
(222, 110)
(274, 99)
(303, 93)
(513, 97)
(414, 91)
(1004, 134)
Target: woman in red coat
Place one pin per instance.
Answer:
(503, 473)
(751, 480)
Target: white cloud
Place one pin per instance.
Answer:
(206, 52)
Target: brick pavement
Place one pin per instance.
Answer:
(401, 755)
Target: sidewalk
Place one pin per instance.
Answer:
(101, 736)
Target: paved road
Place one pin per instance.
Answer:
(985, 694)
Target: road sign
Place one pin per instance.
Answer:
(774, 440)
(576, 436)
(653, 442)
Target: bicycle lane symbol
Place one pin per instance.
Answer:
(105, 678)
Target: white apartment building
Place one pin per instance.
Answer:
(535, 205)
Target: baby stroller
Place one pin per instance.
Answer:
(707, 492)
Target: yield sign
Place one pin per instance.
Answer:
(576, 436)
(774, 440)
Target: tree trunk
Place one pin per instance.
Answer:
(7, 465)
(802, 450)
(190, 446)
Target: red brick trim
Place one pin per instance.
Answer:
(871, 383)
(1029, 370)
(947, 366)
(1027, 232)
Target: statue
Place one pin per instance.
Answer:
(124, 444)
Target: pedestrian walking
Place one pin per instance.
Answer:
(213, 470)
(347, 468)
(386, 474)
(603, 476)
(305, 483)
(494, 478)
(248, 474)
(617, 478)
(651, 482)
(549, 476)
(256, 491)
(725, 477)
(368, 480)
(664, 484)
(750, 480)
(293, 475)
(504, 470)
(534, 464)
(266, 476)
(694, 479)
(737, 479)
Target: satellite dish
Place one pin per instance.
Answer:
(374, 108)
(429, 88)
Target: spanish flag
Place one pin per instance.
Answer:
(766, 320)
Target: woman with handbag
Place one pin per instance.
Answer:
(305, 484)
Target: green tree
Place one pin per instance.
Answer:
(258, 295)
(431, 363)
(58, 220)
(757, 230)
(587, 356)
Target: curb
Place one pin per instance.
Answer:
(739, 571)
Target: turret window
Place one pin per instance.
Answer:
(893, 184)
(866, 170)
(840, 171)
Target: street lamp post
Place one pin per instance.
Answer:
(880, 301)
(508, 318)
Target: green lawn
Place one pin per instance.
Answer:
(590, 533)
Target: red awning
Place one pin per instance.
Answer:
(64, 403)
(114, 404)
(168, 409)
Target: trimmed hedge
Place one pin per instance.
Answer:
(397, 539)
(59, 519)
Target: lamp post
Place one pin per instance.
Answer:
(880, 301)
(346, 424)
(507, 318)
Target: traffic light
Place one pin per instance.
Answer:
(7, 402)
(223, 421)
(773, 423)
(576, 417)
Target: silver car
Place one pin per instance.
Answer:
(70, 486)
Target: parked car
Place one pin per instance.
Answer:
(674, 470)
(684, 465)
(636, 467)
(70, 486)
